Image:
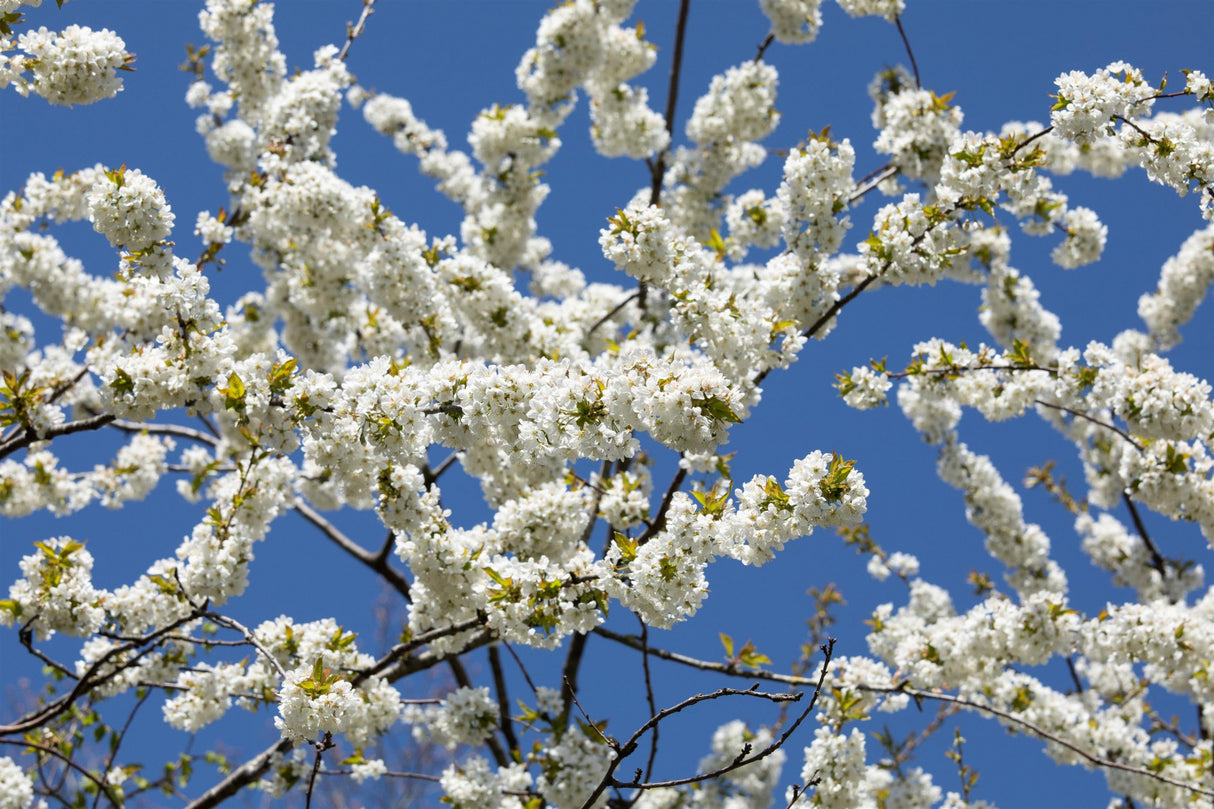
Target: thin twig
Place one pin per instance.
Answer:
(649, 698)
(1036, 730)
(658, 171)
(376, 561)
(763, 46)
(250, 638)
(355, 30)
(164, 429)
(628, 747)
(704, 665)
(659, 520)
(867, 184)
(503, 700)
(614, 311)
(322, 744)
(1157, 560)
(1093, 420)
(910, 53)
(101, 785)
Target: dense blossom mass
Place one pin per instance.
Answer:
(376, 356)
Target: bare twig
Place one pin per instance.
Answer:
(321, 745)
(503, 700)
(101, 785)
(658, 170)
(763, 46)
(614, 311)
(24, 437)
(1036, 730)
(355, 30)
(659, 520)
(1080, 414)
(164, 429)
(909, 52)
(376, 561)
(1157, 560)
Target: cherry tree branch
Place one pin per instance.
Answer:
(658, 169)
(1007, 716)
(1157, 560)
(165, 429)
(914, 693)
(909, 52)
(355, 30)
(376, 561)
(26, 436)
(101, 785)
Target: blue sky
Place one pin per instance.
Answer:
(451, 60)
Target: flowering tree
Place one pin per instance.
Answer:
(377, 359)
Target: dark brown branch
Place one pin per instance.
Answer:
(909, 52)
(25, 436)
(569, 672)
(763, 46)
(649, 698)
(376, 561)
(1032, 138)
(397, 662)
(1157, 560)
(1080, 414)
(323, 744)
(503, 700)
(659, 520)
(825, 318)
(102, 786)
(743, 758)
(1070, 666)
(627, 748)
(90, 679)
(658, 171)
(614, 311)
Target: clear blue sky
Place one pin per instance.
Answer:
(451, 60)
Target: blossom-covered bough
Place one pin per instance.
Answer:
(375, 348)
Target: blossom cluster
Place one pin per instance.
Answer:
(377, 355)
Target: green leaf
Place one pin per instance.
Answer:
(727, 642)
(833, 484)
(628, 547)
(716, 409)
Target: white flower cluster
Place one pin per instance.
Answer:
(130, 210)
(817, 181)
(373, 343)
(465, 716)
(16, 789)
(475, 783)
(317, 695)
(889, 9)
(571, 768)
(1088, 104)
(57, 593)
(665, 577)
(1183, 283)
(74, 66)
(838, 761)
(725, 125)
(1112, 547)
(206, 695)
(917, 129)
(793, 21)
